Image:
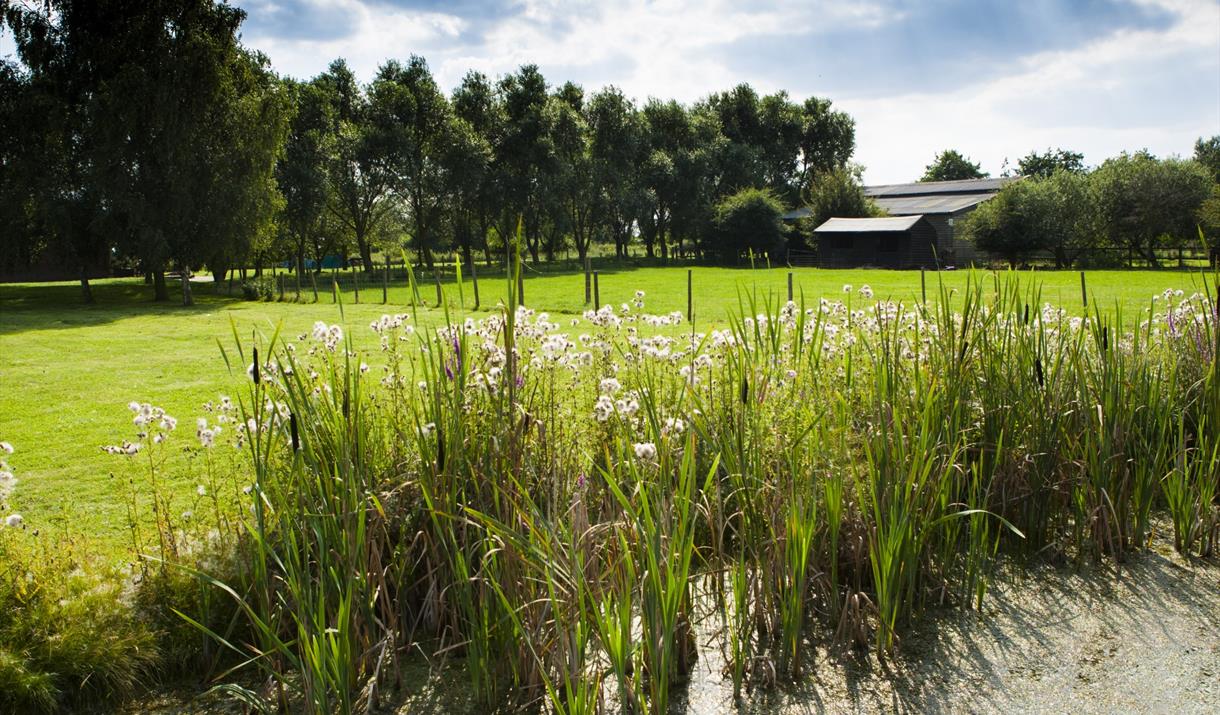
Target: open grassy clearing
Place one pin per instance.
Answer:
(67, 371)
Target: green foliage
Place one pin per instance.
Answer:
(67, 636)
(838, 193)
(1047, 164)
(1207, 153)
(828, 138)
(1056, 214)
(163, 131)
(748, 222)
(951, 165)
(1209, 218)
(1144, 202)
(260, 288)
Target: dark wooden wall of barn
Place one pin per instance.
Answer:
(927, 246)
(917, 247)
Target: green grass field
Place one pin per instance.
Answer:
(67, 371)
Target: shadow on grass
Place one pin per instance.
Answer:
(27, 307)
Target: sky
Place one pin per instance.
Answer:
(993, 79)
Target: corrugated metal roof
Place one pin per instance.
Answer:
(868, 225)
(964, 186)
(933, 204)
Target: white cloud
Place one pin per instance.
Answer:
(1051, 100)
(1157, 88)
(377, 34)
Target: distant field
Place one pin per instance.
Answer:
(67, 371)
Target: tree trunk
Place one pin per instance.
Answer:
(187, 298)
(86, 292)
(366, 253)
(1152, 255)
(160, 292)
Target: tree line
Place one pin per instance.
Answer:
(143, 132)
(1134, 204)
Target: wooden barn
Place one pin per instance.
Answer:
(942, 204)
(891, 242)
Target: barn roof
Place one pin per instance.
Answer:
(930, 204)
(868, 225)
(963, 186)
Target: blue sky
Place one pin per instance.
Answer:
(992, 78)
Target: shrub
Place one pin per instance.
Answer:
(259, 288)
(748, 222)
(68, 634)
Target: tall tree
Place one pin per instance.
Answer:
(360, 173)
(951, 165)
(616, 147)
(15, 170)
(302, 173)
(524, 153)
(413, 119)
(838, 193)
(70, 50)
(1145, 203)
(181, 126)
(1046, 164)
(477, 192)
(575, 184)
(1207, 153)
(828, 138)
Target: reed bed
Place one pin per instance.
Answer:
(555, 507)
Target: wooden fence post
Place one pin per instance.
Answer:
(1084, 295)
(923, 285)
(597, 296)
(789, 286)
(690, 303)
(356, 283)
(474, 280)
(588, 282)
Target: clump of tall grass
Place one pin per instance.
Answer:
(69, 636)
(557, 507)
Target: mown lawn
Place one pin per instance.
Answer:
(67, 371)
